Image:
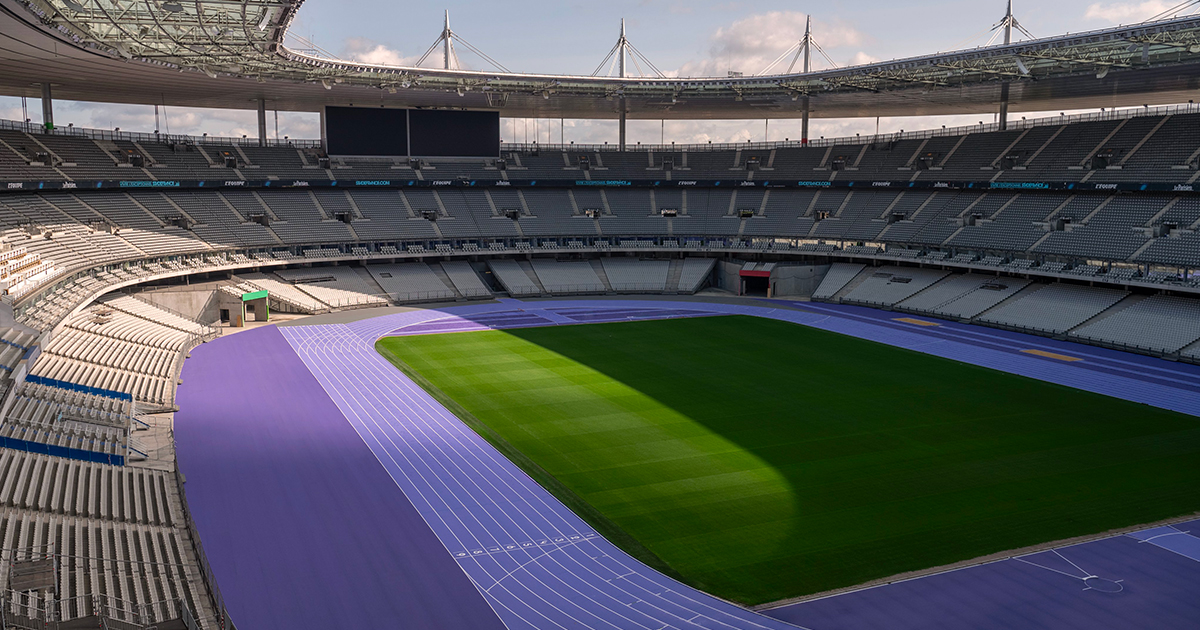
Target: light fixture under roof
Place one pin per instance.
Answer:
(172, 7)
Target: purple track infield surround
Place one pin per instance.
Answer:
(302, 526)
(534, 561)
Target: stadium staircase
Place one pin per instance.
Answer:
(369, 278)
(1129, 301)
(527, 267)
(862, 277)
(674, 273)
(598, 267)
(441, 274)
(1019, 295)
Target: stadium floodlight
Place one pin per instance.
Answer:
(1022, 67)
(1103, 72)
(172, 7)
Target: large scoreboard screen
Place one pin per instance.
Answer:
(381, 132)
(439, 133)
(365, 131)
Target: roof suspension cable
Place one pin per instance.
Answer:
(448, 41)
(801, 50)
(622, 51)
(1174, 11)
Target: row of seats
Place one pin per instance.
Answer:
(1054, 150)
(1156, 324)
(69, 487)
(138, 572)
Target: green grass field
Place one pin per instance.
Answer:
(760, 460)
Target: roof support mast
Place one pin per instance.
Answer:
(447, 37)
(1009, 20)
(620, 56)
(804, 113)
(622, 49)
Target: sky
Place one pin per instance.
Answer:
(680, 37)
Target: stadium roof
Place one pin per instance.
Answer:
(230, 54)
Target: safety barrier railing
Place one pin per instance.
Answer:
(30, 610)
(859, 140)
(528, 147)
(161, 138)
(206, 573)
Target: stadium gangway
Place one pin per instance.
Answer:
(1013, 125)
(1113, 114)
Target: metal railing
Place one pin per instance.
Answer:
(523, 147)
(26, 610)
(161, 138)
(859, 140)
(206, 573)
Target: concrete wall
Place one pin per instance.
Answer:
(196, 302)
(728, 275)
(799, 280)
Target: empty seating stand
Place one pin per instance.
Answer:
(1054, 309)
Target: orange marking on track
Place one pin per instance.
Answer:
(1051, 355)
(915, 322)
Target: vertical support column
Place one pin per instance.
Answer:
(622, 125)
(1004, 106)
(804, 111)
(262, 122)
(807, 50)
(47, 108)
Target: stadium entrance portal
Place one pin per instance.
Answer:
(237, 310)
(755, 283)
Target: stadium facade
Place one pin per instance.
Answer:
(122, 252)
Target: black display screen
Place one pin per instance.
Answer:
(436, 133)
(363, 131)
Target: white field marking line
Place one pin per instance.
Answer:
(1174, 533)
(302, 343)
(521, 567)
(1073, 564)
(705, 604)
(682, 593)
(309, 344)
(1073, 577)
(657, 574)
(1168, 373)
(569, 585)
(492, 516)
(558, 577)
(417, 471)
(1128, 385)
(1087, 575)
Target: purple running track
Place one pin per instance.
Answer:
(536, 563)
(1113, 583)
(299, 521)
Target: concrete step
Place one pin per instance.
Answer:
(598, 267)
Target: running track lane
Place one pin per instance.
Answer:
(538, 564)
(302, 526)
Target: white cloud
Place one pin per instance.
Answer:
(1127, 12)
(861, 58)
(750, 44)
(367, 51)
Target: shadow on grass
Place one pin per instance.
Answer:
(778, 460)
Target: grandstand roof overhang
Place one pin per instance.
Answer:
(229, 54)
